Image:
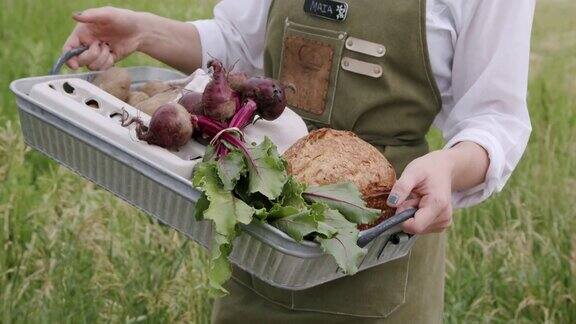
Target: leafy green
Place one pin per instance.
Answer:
(220, 269)
(292, 194)
(251, 184)
(297, 225)
(324, 229)
(201, 205)
(267, 170)
(231, 168)
(345, 198)
(225, 210)
(342, 246)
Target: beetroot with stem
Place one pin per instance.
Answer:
(269, 95)
(170, 127)
(219, 99)
(211, 128)
(244, 115)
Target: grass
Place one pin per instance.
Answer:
(71, 252)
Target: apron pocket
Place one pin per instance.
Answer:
(375, 292)
(311, 60)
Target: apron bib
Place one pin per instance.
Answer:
(359, 65)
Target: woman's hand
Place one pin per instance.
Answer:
(111, 34)
(114, 33)
(427, 183)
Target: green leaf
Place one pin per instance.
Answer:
(345, 198)
(201, 205)
(267, 170)
(220, 269)
(292, 194)
(323, 229)
(209, 153)
(231, 168)
(297, 225)
(279, 211)
(224, 209)
(342, 246)
(261, 214)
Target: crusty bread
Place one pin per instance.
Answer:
(329, 156)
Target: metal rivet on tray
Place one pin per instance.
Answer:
(380, 50)
(341, 36)
(345, 63)
(350, 42)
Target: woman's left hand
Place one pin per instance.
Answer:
(426, 183)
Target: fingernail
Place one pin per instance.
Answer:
(78, 13)
(392, 199)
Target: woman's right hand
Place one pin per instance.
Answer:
(111, 34)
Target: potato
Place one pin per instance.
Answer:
(115, 81)
(150, 105)
(152, 88)
(136, 97)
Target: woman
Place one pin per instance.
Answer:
(386, 70)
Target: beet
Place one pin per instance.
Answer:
(219, 99)
(268, 94)
(170, 127)
(237, 80)
(192, 101)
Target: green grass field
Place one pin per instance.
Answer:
(71, 252)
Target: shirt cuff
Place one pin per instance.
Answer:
(211, 39)
(495, 177)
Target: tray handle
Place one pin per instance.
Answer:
(65, 57)
(369, 235)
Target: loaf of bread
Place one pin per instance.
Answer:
(328, 156)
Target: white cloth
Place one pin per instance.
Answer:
(479, 52)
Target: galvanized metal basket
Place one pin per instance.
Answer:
(261, 250)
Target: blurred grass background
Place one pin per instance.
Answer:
(71, 252)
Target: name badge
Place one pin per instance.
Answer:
(328, 9)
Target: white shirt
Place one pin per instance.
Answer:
(479, 52)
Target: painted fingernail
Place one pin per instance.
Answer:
(392, 199)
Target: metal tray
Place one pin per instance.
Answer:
(261, 249)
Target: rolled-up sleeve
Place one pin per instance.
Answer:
(489, 88)
(236, 35)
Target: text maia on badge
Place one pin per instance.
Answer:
(322, 8)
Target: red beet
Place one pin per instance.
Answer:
(237, 80)
(192, 101)
(170, 127)
(268, 94)
(219, 99)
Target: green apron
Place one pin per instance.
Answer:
(370, 74)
